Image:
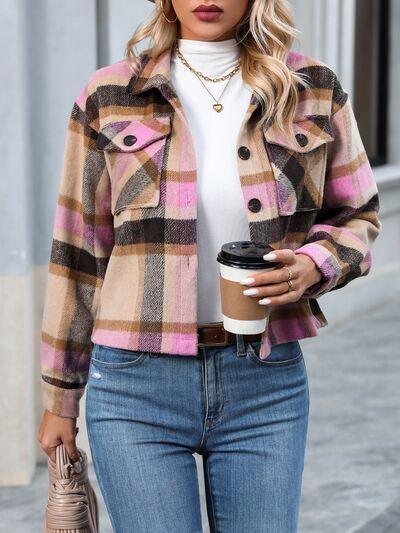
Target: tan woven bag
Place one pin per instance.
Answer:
(72, 505)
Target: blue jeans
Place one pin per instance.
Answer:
(148, 413)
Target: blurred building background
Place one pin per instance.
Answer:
(48, 49)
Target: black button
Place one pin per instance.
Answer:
(301, 139)
(129, 140)
(254, 205)
(244, 152)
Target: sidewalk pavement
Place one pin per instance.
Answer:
(351, 481)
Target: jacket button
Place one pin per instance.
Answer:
(244, 152)
(129, 140)
(301, 139)
(254, 205)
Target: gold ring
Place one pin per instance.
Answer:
(290, 284)
(289, 272)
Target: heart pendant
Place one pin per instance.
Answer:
(217, 107)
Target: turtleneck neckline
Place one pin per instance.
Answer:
(213, 58)
(193, 46)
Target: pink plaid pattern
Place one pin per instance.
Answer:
(123, 265)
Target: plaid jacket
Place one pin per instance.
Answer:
(123, 263)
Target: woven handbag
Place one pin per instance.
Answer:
(72, 505)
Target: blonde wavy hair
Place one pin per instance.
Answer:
(265, 35)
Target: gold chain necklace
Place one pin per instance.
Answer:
(217, 106)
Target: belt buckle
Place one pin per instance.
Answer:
(213, 325)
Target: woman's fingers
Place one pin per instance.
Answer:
(55, 430)
(279, 275)
(285, 256)
(72, 450)
(286, 298)
(275, 289)
(49, 448)
(271, 288)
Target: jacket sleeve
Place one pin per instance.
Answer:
(345, 228)
(82, 242)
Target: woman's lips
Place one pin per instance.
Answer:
(208, 15)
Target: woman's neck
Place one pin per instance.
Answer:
(213, 58)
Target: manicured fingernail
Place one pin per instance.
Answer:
(270, 256)
(247, 281)
(78, 467)
(264, 301)
(250, 292)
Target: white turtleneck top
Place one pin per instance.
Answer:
(221, 215)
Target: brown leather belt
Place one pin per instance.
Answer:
(214, 334)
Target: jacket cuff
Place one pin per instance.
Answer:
(60, 401)
(326, 263)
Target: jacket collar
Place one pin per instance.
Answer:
(156, 73)
(152, 72)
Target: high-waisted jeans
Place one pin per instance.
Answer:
(147, 414)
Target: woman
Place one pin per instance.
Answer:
(215, 134)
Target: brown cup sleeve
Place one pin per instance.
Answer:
(236, 305)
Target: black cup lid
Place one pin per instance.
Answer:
(245, 254)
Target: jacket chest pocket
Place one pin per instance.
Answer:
(299, 167)
(135, 153)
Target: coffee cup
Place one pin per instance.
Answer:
(238, 260)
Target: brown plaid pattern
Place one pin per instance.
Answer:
(123, 264)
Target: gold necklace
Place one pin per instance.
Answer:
(217, 106)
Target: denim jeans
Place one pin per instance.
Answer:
(147, 414)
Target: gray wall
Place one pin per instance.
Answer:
(394, 123)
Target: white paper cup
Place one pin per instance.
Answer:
(242, 314)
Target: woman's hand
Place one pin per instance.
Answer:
(55, 430)
(272, 286)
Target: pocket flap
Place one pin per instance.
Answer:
(133, 135)
(300, 170)
(310, 133)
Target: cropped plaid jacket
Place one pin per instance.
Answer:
(123, 265)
